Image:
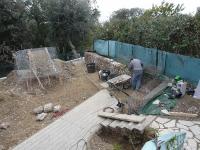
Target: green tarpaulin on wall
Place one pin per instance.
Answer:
(168, 63)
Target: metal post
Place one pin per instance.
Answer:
(108, 49)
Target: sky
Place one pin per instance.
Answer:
(106, 7)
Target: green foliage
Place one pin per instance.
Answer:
(165, 9)
(38, 23)
(162, 27)
(117, 147)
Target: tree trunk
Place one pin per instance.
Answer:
(76, 55)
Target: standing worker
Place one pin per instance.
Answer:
(136, 67)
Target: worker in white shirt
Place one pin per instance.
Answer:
(136, 67)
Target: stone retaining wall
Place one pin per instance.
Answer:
(103, 63)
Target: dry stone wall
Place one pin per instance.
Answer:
(104, 63)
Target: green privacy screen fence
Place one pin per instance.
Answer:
(168, 63)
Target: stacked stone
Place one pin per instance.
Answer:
(103, 63)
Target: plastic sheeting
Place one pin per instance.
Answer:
(101, 47)
(167, 63)
(186, 67)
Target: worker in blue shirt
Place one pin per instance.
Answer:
(136, 67)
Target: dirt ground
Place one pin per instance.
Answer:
(188, 104)
(147, 85)
(106, 141)
(16, 105)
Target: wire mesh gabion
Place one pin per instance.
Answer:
(36, 62)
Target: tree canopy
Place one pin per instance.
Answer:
(66, 24)
(73, 24)
(163, 27)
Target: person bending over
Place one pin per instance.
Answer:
(136, 68)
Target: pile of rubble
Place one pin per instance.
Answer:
(37, 70)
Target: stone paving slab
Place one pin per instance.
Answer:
(191, 128)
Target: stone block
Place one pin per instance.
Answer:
(38, 110)
(162, 120)
(48, 107)
(186, 123)
(170, 124)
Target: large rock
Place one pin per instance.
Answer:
(48, 107)
(57, 108)
(38, 110)
(40, 117)
(4, 125)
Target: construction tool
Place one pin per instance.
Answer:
(120, 104)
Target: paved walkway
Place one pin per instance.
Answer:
(71, 130)
(191, 128)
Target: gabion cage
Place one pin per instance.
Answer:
(36, 63)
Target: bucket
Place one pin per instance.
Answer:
(91, 67)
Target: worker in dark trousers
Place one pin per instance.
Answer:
(136, 68)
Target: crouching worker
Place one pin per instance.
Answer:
(136, 68)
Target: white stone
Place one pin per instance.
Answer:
(4, 125)
(38, 110)
(176, 131)
(156, 102)
(154, 125)
(187, 148)
(41, 116)
(197, 136)
(197, 140)
(196, 122)
(186, 123)
(56, 108)
(192, 143)
(178, 125)
(174, 128)
(162, 120)
(48, 107)
(195, 129)
(170, 124)
(189, 134)
(185, 144)
(164, 131)
(161, 126)
(165, 111)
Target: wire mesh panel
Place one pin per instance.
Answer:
(36, 62)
